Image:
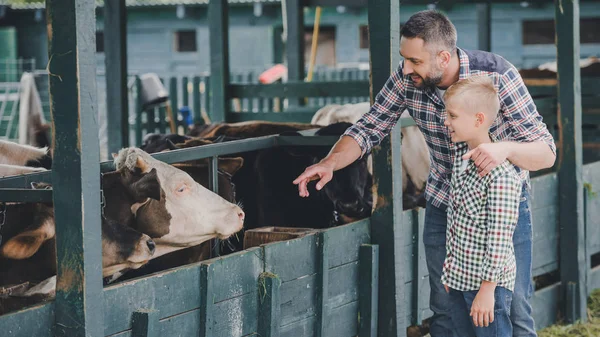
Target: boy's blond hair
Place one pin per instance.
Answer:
(475, 94)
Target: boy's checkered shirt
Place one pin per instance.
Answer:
(482, 216)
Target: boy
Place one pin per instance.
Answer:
(479, 270)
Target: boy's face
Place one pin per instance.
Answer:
(462, 125)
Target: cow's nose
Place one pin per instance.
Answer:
(241, 215)
(348, 206)
(151, 245)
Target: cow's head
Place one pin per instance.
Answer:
(350, 189)
(122, 246)
(186, 214)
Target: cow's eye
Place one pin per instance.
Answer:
(181, 188)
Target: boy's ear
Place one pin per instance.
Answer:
(480, 117)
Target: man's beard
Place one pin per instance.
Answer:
(432, 79)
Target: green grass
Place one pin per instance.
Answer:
(589, 329)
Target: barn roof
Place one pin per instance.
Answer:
(23, 4)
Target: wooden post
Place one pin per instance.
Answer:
(79, 309)
(218, 17)
(572, 232)
(484, 24)
(115, 42)
(138, 111)
(384, 37)
(269, 305)
(322, 284)
(367, 290)
(294, 44)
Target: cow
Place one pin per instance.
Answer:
(265, 180)
(415, 153)
(248, 129)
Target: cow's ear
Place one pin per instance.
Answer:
(148, 186)
(142, 165)
(26, 244)
(231, 165)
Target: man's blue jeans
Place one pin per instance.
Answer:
(463, 322)
(434, 239)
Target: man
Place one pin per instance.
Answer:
(432, 62)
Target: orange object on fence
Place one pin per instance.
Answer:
(272, 74)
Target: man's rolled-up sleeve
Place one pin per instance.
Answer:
(383, 115)
(521, 111)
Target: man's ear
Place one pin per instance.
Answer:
(445, 57)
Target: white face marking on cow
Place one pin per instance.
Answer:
(197, 214)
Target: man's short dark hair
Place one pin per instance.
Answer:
(434, 28)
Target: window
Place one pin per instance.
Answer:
(99, 42)
(185, 41)
(325, 46)
(363, 32)
(542, 31)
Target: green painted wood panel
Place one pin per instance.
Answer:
(342, 321)
(343, 285)
(115, 53)
(572, 230)
(545, 239)
(298, 117)
(345, 241)
(302, 328)
(544, 304)
(218, 14)
(35, 321)
(593, 279)
(544, 191)
(172, 292)
(368, 316)
(269, 305)
(277, 259)
(591, 180)
(237, 316)
(75, 173)
(298, 300)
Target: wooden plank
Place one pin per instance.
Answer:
(292, 259)
(322, 290)
(386, 221)
(35, 321)
(299, 89)
(197, 117)
(572, 230)
(122, 300)
(544, 191)
(343, 285)
(144, 323)
(269, 312)
(25, 195)
(589, 86)
(345, 242)
(545, 239)
(302, 328)
(484, 26)
(343, 321)
(545, 306)
(218, 17)
(115, 60)
(298, 301)
(294, 44)
(368, 290)
(591, 180)
(594, 279)
(75, 174)
(419, 264)
(235, 317)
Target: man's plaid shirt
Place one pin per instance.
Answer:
(482, 217)
(518, 121)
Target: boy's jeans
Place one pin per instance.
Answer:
(461, 308)
(434, 239)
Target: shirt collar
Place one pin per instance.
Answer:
(464, 64)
